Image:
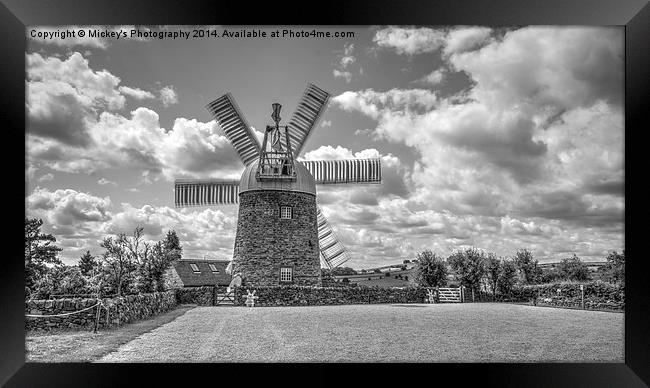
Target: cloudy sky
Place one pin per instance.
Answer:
(500, 139)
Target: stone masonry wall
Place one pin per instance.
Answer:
(264, 243)
(115, 311)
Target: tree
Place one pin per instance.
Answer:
(61, 279)
(376, 270)
(172, 245)
(39, 251)
(549, 275)
(469, 266)
(156, 260)
(493, 272)
(87, 264)
(527, 266)
(134, 246)
(615, 268)
(117, 261)
(431, 270)
(572, 268)
(508, 276)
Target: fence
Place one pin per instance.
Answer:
(449, 295)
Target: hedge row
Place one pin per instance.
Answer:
(318, 296)
(202, 296)
(598, 295)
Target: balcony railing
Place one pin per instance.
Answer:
(276, 165)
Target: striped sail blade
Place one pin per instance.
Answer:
(345, 171)
(332, 252)
(205, 192)
(310, 107)
(224, 109)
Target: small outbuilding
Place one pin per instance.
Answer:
(196, 273)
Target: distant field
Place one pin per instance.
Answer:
(385, 282)
(484, 332)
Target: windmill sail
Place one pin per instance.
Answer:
(195, 192)
(345, 171)
(224, 109)
(332, 252)
(310, 107)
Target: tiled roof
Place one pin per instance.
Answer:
(205, 277)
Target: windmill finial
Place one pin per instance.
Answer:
(276, 113)
(276, 161)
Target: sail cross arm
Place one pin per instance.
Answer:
(344, 171)
(226, 112)
(332, 252)
(205, 192)
(310, 108)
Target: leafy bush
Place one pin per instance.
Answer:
(615, 268)
(62, 280)
(527, 266)
(431, 270)
(469, 266)
(572, 268)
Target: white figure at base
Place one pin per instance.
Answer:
(250, 298)
(235, 282)
(432, 296)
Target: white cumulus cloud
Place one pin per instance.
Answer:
(168, 96)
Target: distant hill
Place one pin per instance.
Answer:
(587, 263)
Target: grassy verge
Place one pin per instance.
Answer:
(86, 346)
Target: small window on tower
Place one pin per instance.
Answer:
(285, 212)
(195, 268)
(286, 274)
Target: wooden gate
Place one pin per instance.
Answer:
(450, 295)
(224, 299)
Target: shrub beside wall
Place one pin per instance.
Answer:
(598, 295)
(195, 295)
(116, 311)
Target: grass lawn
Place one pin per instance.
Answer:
(480, 332)
(86, 346)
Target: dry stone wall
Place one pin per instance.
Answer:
(113, 311)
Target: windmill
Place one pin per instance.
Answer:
(282, 234)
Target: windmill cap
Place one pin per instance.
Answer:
(304, 182)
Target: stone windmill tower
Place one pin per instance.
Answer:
(282, 235)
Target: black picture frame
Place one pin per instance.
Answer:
(633, 14)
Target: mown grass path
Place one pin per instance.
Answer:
(86, 346)
(486, 332)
